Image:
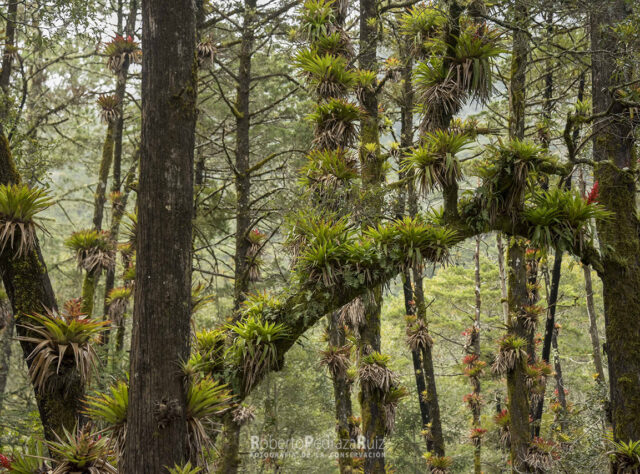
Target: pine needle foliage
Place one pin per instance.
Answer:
(62, 340)
(19, 205)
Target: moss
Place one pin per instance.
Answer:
(8, 171)
(88, 292)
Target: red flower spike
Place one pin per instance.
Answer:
(594, 194)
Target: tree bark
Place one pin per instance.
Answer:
(156, 424)
(5, 346)
(613, 149)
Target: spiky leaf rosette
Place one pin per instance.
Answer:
(626, 455)
(83, 451)
(206, 50)
(33, 460)
(328, 75)
(541, 455)
(418, 338)
(391, 400)
(110, 411)
(352, 315)
(511, 352)
(207, 357)
(561, 218)
(336, 359)
(325, 255)
(503, 422)
(438, 464)
(120, 50)
(19, 205)
(316, 19)
(438, 92)
(185, 469)
(476, 435)
(536, 375)
(507, 174)
(335, 124)
(118, 299)
(328, 169)
(199, 299)
(421, 23)
(337, 43)
(409, 240)
(254, 347)
(244, 414)
(374, 374)
(476, 47)
(95, 250)
(256, 240)
(434, 162)
(207, 399)
(108, 107)
(62, 340)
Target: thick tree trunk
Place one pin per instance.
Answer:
(6, 342)
(503, 278)
(518, 295)
(371, 402)
(156, 424)
(518, 402)
(613, 148)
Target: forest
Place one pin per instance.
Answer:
(319, 236)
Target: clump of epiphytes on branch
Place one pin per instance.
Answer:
(121, 50)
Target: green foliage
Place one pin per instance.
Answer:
(436, 89)
(186, 469)
(62, 340)
(95, 250)
(31, 461)
(110, 411)
(335, 124)
(83, 451)
(328, 75)
(335, 44)
(121, 50)
(408, 241)
(625, 455)
(19, 205)
(560, 218)
(206, 400)
(316, 18)
(261, 304)
(434, 163)
(254, 347)
(421, 23)
(108, 104)
(328, 168)
(475, 48)
(507, 174)
(512, 351)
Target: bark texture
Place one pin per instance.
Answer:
(157, 428)
(613, 149)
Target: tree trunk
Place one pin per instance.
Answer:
(371, 402)
(103, 176)
(156, 425)
(503, 278)
(593, 324)
(518, 402)
(613, 148)
(5, 346)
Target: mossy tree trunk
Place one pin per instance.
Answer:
(613, 149)
(6, 342)
(230, 461)
(518, 402)
(371, 162)
(156, 425)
